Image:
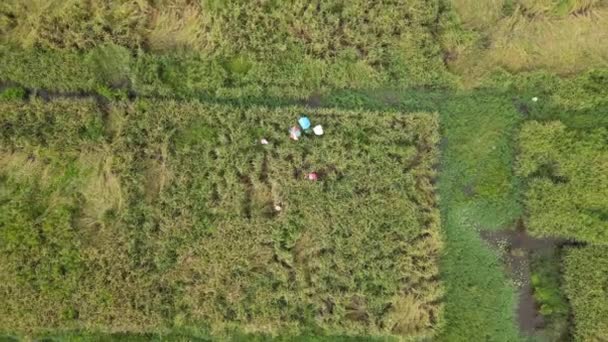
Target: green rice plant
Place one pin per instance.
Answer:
(586, 274)
(170, 218)
(110, 64)
(38, 246)
(12, 94)
(586, 93)
(38, 124)
(567, 182)
(260, 45)
(547, 284)
(479, 14)
(36, 69)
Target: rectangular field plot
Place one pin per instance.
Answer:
(161, 214)
(566, 171)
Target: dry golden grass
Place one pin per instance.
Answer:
(557, 8)
(99, 186)
(176, 27)
(478, 14)
(564, 39)
(73, 23)
(101, 189)
(22, 166)
(565, 45)
(408, 314)
(156, 174)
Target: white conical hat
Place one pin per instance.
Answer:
(318, 129)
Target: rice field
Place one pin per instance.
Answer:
(138, 230)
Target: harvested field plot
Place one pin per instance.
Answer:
(161, 214)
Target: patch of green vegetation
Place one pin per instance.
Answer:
(547, 285)
(36, 223)
(171, 220)
(287, 49)
(201, 335)
(139, 196)
(567, 183)
(12, 93)
(467, 165)
(38, 124)
(562, 157)
(110, 64)
(586, 275)
(478, 129)
(478, 191)
(184, 75)
(579, 101)
(37, 69)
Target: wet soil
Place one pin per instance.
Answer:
(516, 247)
(314, 101)
(47, 95)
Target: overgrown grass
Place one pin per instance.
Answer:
(547, 283)
(586, 274)
(125, 225)
(473, 273)
(478, 191)
(282, 48)
(522, 35)
(562, 161)
(162, 215)
(567, 181)
(12, 93)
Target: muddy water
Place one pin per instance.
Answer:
(515, 247)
